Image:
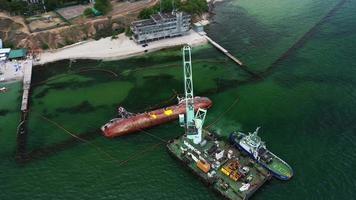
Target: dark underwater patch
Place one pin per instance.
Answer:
(142, 97)
(70, 84)
(83, 107)
(304, 39)
(291, 81)
(4, 112)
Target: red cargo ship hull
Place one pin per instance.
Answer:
(123, 126)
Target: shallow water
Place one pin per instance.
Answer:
(305, 103)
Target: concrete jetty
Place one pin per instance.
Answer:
(27, 74)
(233, 58)
(226, 52)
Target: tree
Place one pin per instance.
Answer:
(146, 13)
(194, 7)
(104, 6)
(128, 32)
(17, 7)
(4, 5)
(52, 4)
(88, 12)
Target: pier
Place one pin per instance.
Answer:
(226, 52)
(27, 74)
(229, 55)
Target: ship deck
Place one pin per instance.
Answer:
(259, 174)
(281, 168)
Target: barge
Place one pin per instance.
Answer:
(226, 169)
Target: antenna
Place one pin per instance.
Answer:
(160, 6)
(173, 6)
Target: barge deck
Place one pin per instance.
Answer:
(230, 172)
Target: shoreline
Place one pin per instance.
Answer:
(116, 49)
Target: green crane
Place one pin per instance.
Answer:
(193, 123)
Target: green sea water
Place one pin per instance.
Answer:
(303, 98)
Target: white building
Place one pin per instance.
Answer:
(4, 53)
(161, 25)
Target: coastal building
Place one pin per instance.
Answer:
(35, 1)
(199, 28)
(160, 26)
(4, 53)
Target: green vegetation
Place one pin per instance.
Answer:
(116, 32)
(88, 12)
(194, 7)
(55, 4)
(103, 6)
(128, 32)
(147, 12)
(68, 41)
(8, 44)
(45, 46)
(16, 7)
(107, 31)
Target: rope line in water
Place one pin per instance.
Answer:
(154, 136)
(162, 102)
(223, 113)
(168, 66)
(141, 153)
(147, 68)
(79, 138)
(103, 70)
(122, 162)
(77, 72)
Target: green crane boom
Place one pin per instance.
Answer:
(193, 124)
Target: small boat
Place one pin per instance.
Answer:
(256, 149)
(3, 89)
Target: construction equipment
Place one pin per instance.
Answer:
(193, 124)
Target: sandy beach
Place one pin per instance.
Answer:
(120, 48)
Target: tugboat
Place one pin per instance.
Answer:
(256, 149)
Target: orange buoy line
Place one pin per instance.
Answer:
(141, 153)
(223, 113)
(162, 103)
(166, 66)
(94, 69)
(78, 138)
(120, 162)
(155, 136)
(77, 72)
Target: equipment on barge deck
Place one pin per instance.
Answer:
(233, 176)
(256, 149)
